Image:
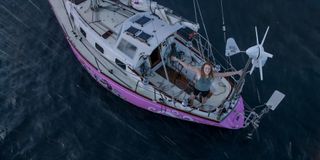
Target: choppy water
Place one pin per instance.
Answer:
(52, 109)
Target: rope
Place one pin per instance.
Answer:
(195, 11)
(204, 26)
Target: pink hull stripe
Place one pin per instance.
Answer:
(235, 119)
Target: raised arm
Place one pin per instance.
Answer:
(185, 65)
(227, 74)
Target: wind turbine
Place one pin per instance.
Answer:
(258, 58)
(256, 53)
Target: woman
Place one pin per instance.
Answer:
(204, 77)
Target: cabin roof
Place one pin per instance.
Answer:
(134, 33)
(147, 31)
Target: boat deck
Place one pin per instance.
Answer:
(109, 16)
(105, 21)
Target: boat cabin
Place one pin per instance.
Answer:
(142, 35)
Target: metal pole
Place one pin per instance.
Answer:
(163, 63)
(238, 87)
(223, 22)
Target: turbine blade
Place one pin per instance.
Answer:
(257, 38)
(260, 68)
(265, 35)
(251, 70)
(269, 55)
(231, 47)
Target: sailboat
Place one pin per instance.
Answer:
(126, 45)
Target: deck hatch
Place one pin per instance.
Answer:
(107, 34)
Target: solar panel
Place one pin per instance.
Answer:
(143, 20)
(144, 37)
(132, 31)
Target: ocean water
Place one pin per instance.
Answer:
(50, 107)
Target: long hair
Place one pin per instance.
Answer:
(211, 71)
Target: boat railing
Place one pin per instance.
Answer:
(205, 47)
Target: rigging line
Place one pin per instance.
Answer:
(199, 40)
(195, 11)
(204, 26)
(224, 29)
(197, 6)
(210, 53)
(224, 58)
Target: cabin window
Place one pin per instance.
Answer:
(120, 64)
(83, 32)
(127, 48)
(99, 48)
